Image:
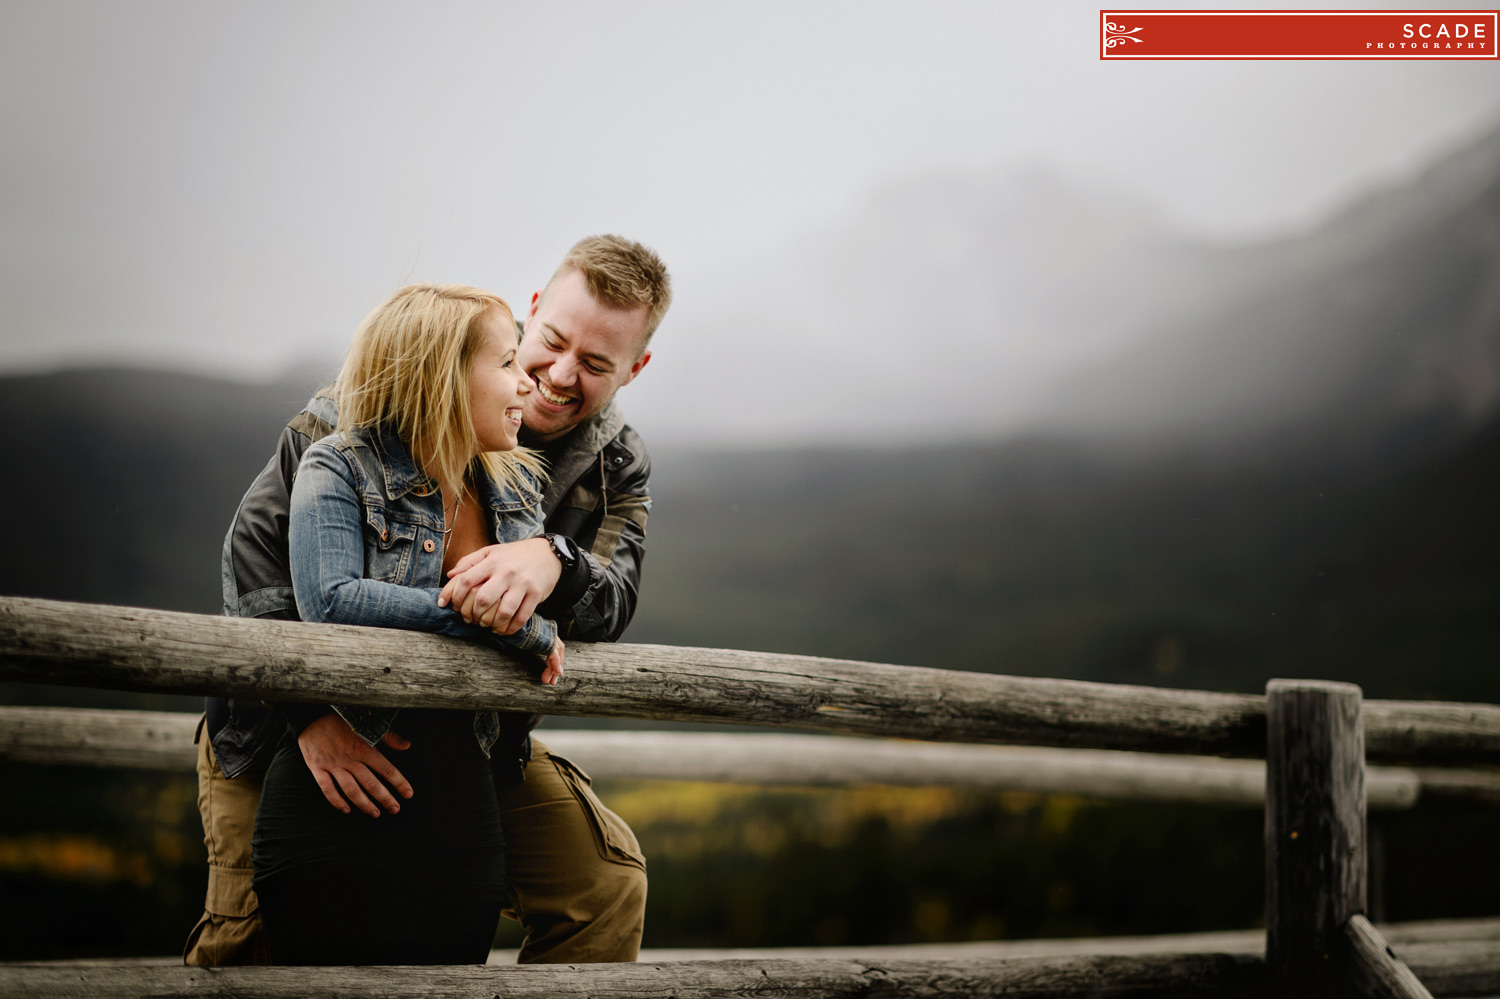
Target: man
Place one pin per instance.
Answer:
(577, 877)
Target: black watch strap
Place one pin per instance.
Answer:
(572, 583)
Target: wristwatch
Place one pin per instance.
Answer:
(565, 550)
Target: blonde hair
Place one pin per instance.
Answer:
(623, 274)
(408, 367)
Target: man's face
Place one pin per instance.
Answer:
(578, 352)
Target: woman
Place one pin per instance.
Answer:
(422, 471)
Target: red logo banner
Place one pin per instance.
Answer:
(1288, 34)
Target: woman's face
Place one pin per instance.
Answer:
(497, 385)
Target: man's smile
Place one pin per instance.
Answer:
(551, 395)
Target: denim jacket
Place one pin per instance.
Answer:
(366, 547)
(598, 495)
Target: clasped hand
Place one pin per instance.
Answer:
(499, 587)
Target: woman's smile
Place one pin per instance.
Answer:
(498, 388)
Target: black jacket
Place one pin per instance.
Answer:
(597, 496)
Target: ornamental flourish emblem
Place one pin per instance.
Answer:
(1116, 34)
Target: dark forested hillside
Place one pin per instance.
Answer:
(1166, 566)
(123, 482)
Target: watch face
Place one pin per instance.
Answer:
(564, 548)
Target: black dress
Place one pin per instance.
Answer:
(423, 886)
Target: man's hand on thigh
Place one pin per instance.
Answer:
(341, 761)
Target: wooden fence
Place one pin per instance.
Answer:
(1314, 736)
(163, 740)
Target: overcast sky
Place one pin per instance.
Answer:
(229, 187)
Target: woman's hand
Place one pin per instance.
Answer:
(553, 669)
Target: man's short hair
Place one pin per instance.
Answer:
(623, 274)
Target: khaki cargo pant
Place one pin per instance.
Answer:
(577, 878)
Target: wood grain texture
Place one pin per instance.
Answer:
(1315, 829)
(163, 740)
(1372, 966)
(134, 649)
(830, 761)
(1014, 978)
(1458, 957)
(95, 645)
(1464, 967)
(1438, 732)
(1458, 968)
(1444, 784)
(1455, 957)
(1432, 940)
(150, 740)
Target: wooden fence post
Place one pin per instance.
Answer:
(1315, 831)
(1318, 941)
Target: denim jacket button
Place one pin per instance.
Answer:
(428, 546)
(385, 535)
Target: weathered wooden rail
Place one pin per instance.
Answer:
(1453, 957)
(127, 648)
(1233, 967)
(163, 740)
(1315, 738)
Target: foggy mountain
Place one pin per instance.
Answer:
(963, 306)
(1388, 312)
(936, 310)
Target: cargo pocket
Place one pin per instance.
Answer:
(613, 838)
(230, 892)
(230, 931)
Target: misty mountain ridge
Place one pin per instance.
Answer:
(976, 305)
(1388, 312)
(936, 309)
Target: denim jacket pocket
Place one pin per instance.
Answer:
(389, 544)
